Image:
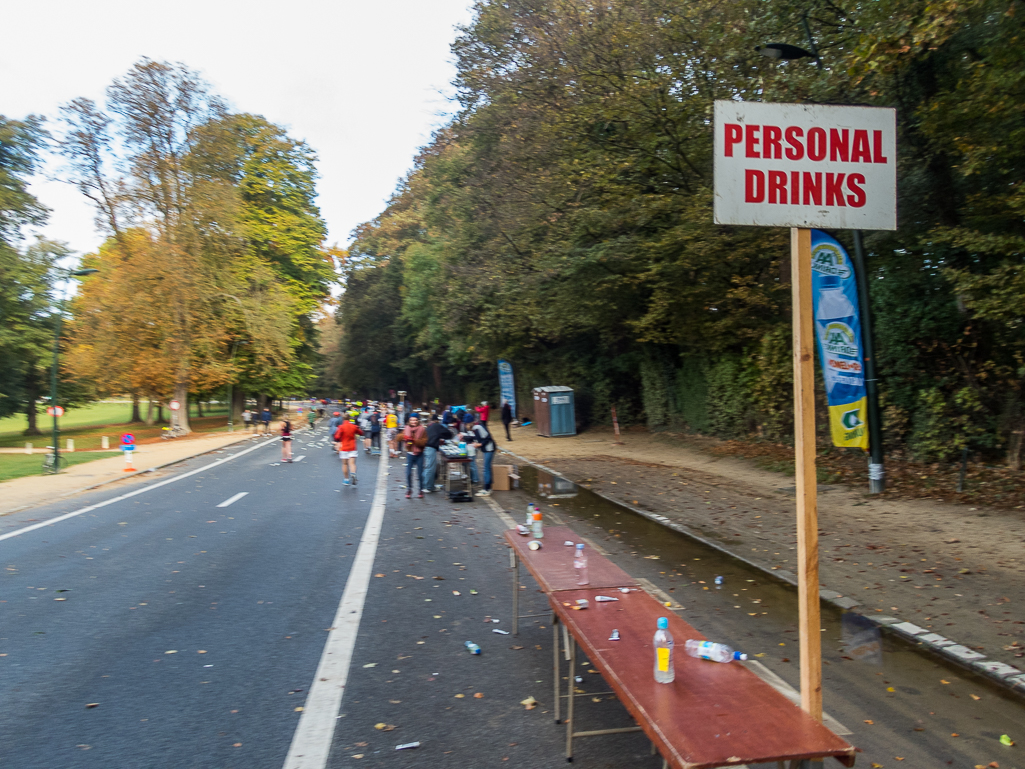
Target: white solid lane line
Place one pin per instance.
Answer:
(299, 458)
(130, 494)
(233, 500)
(311, 743)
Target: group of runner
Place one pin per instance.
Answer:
(419, 438)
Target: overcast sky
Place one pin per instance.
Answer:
(363, 81)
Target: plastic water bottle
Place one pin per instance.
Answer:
(538, 531)
(472, 647)
(706, 650)
(530, 514)
(580, 564)
(462, 448)
(664, 672)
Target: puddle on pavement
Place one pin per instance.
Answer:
(913, 697)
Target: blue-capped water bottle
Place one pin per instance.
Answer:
(663, 643)
(706, 650)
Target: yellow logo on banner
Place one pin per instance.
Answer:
(848, 425)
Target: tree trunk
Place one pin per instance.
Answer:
(31, 398)
(181, 416)
(261, 402)
(136, 416)
(160, 413)
(150, 416)
(1014, 443)
(199, 408)
(237, 405)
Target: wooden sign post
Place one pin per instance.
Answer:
(807, 482)
(805, 166)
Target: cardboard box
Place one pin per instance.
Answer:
(504, 478)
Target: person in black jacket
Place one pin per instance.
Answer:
(436, 433)
(507, 418)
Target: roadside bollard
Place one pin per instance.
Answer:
(28, 448)
(71, 444)
(104, 442)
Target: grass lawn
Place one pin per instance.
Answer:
(86, 425)
(20, 465)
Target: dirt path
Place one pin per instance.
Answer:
(956, 570)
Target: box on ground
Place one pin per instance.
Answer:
(504, 478)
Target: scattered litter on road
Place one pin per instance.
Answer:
(530, 703)
(615, 635)
(96, 704)
(568, 543)
(472, 647)
(579, 679)
(456, 592)
(408, 746)
(602, 598)
(499, 631)
(370, 665)
(383, 727)
(1005, 740)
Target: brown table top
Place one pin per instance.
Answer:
(713, 714)
(552, 565)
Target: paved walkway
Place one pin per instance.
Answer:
(32, 490)
(949, 570)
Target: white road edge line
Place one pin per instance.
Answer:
(233, 500)
(130, 494)
(311, 742)
(299, 458)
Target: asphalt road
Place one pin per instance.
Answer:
(198, 630)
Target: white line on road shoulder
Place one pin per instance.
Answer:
(311, 743)
(299, 458)
(233, 500)
(130, 494)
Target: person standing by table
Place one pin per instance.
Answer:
(415, 438)
(507, 417)
(483, 411)
(483, 440)
(345, 436)
(436, 433)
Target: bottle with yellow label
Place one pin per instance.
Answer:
(664, 672)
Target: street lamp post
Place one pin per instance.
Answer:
(55, 467)
(231, 403)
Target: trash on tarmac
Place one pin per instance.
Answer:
(456, 592)
(601, 598)
(579, 679)
(500, 632)
(568, 543)
(582, 603)
(718, 580)
(408, 746)
(383, 727)
(534, 545)
(615, 635)
(370, 665)
(624, 590)
(1004, 739)
(473, 592)
(530, 703)
(522, 530)
(471, 647)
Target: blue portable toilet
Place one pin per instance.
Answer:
(555, 411)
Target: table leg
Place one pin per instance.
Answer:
(555, 647)
(571, 688)
(516, 593)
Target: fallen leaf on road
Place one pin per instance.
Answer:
(96, 704)
(60, 599)
(478, 696)
(456, 592)
(237, 745)
(595, 699)
(890, 689)
(370, 665)
(1005, 740)
(83, 746)
(944, 682)
(460, 696)
(201, 651)
(516, 648)
(530, 703)
(383, 727)
(975, 696)
(378, 575)
(358, 755)
(954, 734)
(394, 702)
(362, 744)
(899, 758)
(870, 723)
(651, 557)
(877, 766)
(172, 651)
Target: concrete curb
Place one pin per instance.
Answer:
(1006, 676)
(125, 477)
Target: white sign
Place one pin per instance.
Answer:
(174, 405)
(805, 165)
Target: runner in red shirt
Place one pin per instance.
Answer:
(345, 436)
